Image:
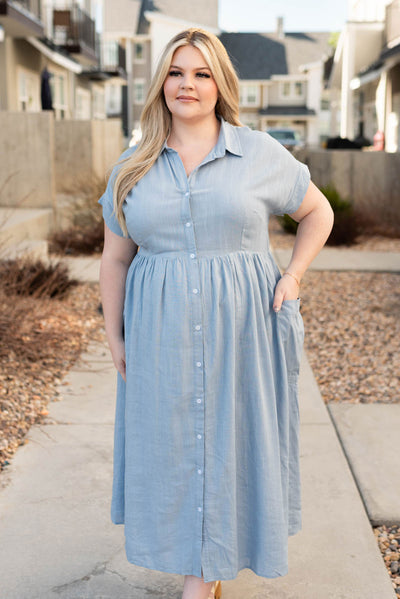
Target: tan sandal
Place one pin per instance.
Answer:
(216, 590)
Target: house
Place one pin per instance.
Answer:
(366, 72)
(281, 79)
(55, 41)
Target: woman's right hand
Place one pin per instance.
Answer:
(118, 355)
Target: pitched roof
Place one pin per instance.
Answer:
(192, 11)
(260, 55)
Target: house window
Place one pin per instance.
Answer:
(138, 91)
(57, 85)
(138, 54)
(298, 86)
(98, 104)
(82, 104)
(249, 95)
(113, 97)
(292, 89)
(28, 91)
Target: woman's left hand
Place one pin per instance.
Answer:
(286, 289)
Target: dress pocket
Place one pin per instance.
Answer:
(291, 330)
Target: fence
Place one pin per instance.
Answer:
(370, 180)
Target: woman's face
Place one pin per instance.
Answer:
(190, 90)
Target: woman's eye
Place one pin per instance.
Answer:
(205, 75)
(174, 73)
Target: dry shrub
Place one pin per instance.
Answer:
(26, 276)
(85, 235)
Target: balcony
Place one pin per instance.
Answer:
(22, 18)
(74, 31)
(113, 59)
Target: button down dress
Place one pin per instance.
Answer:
(206, 454)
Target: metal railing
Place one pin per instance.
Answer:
(72, 26)
(112, 56)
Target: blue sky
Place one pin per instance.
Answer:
(260, 15)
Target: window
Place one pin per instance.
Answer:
(292, 89)
(82, 104)
(138, 55)
(298, 88)
(98, 103)
(138, 91)
(58, 85)
(249, 95)
(28, 91)
(113, 99)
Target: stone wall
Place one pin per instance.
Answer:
(370, 180)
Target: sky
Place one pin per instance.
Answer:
(261, 15)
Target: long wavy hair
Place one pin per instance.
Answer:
(156, 118)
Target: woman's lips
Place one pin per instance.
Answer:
(186, 99)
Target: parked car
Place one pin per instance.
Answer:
(289, 138)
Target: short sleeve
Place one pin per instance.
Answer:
(291, 179)
(106, 200)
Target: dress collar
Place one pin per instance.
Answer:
(228, 139)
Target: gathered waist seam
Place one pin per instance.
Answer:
(201, 254)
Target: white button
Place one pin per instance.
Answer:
(199, 471)
(192, 255)
(195, 290)
(197, 327)
(188, 224)
(199, 436)
(199, 509)
(198, 400)
(198, 364)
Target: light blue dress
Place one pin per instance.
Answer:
(206, 446)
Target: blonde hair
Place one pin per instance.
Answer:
(156, 118)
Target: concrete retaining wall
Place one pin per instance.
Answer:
(84, 149)
(41, 156)
(370, 180)
(27, 159)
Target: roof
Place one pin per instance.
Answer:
(260, 55)
(192, 11)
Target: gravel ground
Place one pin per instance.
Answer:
(352, 325)
(388, 538)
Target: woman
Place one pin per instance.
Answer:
(204, 331)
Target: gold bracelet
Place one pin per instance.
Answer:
(293, 277)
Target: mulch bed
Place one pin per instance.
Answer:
(53, 334)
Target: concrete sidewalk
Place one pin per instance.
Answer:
(57, 540)
(346, 259)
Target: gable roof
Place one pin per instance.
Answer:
(192, 11)
(260, 55)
